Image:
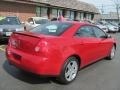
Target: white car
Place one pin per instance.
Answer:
(112, 28)
(103, 27)
(34, 22)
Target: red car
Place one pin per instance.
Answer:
(59, 48)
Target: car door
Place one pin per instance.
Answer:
(105, 42)
(88, 50)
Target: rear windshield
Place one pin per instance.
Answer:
(52, 28)
(9, 21)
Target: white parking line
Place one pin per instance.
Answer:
(1, 48)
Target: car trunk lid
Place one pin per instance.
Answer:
(25, 42)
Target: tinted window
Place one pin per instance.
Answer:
(85, 31)
(52, 28)
(30, 20)
(98, 32)
(9, 21)
(42, 21)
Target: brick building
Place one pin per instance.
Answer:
(72, 9)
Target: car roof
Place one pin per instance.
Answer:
(74, 22)
(39, 18)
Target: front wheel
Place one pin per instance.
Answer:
(69, 71)
(112, 53)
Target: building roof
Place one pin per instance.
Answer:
(72, 4)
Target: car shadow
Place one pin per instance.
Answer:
(36, 79)
(5, 42)
(25, 76)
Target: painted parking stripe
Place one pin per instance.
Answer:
(2, 48)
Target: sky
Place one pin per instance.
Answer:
(104, 6)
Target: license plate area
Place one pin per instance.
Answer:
(8, 33)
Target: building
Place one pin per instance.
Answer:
(72, 9)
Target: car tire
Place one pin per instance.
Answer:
(112, 53)
(69, 71)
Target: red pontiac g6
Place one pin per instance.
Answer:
(59, 49)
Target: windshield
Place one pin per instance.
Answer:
(9, 21)
(52, 28)
(41, 21)
(109, 25)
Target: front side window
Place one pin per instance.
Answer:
(99, 33)
(52, 28)
(30, 20)
(85, 31)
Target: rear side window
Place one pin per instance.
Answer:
(85, 31)
(52, 28)
(30, 20)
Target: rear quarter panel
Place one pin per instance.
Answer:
(59, 50)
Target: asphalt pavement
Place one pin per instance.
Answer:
(102, 75)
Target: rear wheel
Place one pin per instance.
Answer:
(112, 53)
(69, 71)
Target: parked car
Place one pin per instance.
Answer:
(116, 24)
(59, 49)
(119, 27)
(8, 25)
(112, 28)
(103, 27)
(34, 22)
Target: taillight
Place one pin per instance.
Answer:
(37, 49)
(41, 46)
(8, 52)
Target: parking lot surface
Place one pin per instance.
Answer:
(102, 75)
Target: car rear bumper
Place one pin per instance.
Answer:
(31, 63)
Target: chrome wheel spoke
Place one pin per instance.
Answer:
(71, 70)
(67, 73)
(112, 52)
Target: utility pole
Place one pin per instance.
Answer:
(117, 9)
(102, 9)
(117, 5)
